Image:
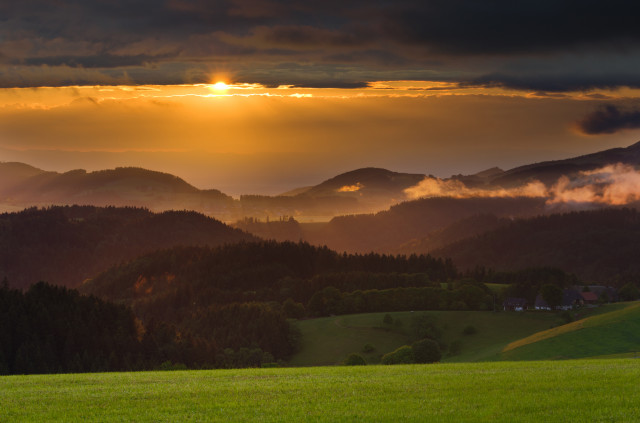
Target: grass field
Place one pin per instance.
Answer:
(329, 340)
(610, 329)
(606, 334)
(561, 391)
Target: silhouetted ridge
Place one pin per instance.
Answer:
(364, 180)
(548, 172)
(597, 245)
(65, 245)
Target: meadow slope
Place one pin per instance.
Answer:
(606, 334)
(329, 340)
(609, 329)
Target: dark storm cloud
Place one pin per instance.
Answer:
(513, 27)
(330, 84)
(97, 61)
(453, 37)
(557, 82)
(608, 120)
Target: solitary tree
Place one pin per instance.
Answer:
(426, 351)
(552, 295)
(629, 292)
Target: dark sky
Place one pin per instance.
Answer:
(532, 45)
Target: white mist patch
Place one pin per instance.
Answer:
(616, 184)
(435, 187)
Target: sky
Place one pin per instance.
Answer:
(314, 88)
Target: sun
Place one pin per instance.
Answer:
(220, 86)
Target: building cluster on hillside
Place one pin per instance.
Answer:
(573, 297)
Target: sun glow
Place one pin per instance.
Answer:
(220, 86)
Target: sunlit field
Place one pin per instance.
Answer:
(582, 390)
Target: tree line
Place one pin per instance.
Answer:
(50, 329)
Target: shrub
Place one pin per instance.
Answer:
(368, 348)
(403, 355)
(387, 320)
(426, 351)
(355, 360)
(469, 330)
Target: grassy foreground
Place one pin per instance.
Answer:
(579, 390)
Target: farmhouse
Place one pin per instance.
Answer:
(514, 304)
(589, 297)
(605, 293)
(570, 299)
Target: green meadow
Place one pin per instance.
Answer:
(329, 340)
(610, 334)
(456, 390)
(602, 331)
(560, 391)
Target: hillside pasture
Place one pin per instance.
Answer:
(606, 334)
(329, 340)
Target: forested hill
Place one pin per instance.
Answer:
(388, 230)
(239, 294)
(258, 271)
(65, 245)
(598, 246)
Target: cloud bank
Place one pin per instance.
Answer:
(521, 45)
(609, 119)
(617, 184)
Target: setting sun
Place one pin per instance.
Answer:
(220, 86)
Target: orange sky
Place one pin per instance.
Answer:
(252, 139)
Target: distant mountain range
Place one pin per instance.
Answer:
(22, 185)
(549, 172)
(363, 190)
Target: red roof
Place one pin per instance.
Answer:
(589, 296)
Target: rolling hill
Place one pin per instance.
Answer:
(388, 230)
(330, 340)
(25, 186)
(549, 172)
(604, 331)
(369, 183)
(598, 245)
(365, 190)
(616, 332)
(362, 190)
(65, 245)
